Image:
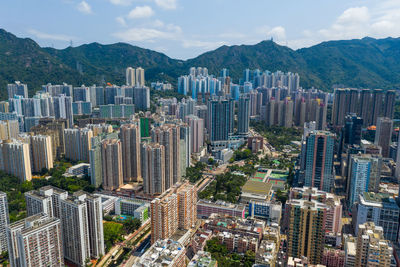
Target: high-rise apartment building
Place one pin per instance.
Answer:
(4, 221)
(196, 132)
(42, 155)
(81, 93)
(379, 208)
(153, 168)
(111, 156)
(16, 159)
(63, 109)
(220, 119)
(168, 135)
(130, 76)
(372, 247)
(139, 76)
(318, 156)
(141, 97)
(130, 141)
(81, 217)
(334, 209)
(78, 144)
(306, 235)
(383, 135)
(17, 88)
(359, 176)
(175, 209)
(35, 241)
(243, 115)
(9, 129)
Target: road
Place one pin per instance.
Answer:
(108, 257)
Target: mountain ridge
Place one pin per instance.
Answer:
(363, 63)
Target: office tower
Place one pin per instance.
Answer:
(9, 129)
(372, 247)
(42, 155)
(130, 76)
(77, 144)
(243, 115)
(319, 160)
(63, 109)
(174, 210)
(130, 141)
(153, 168)
(4, 221)
(359, 171)
(383, 134)
(111, 156)
(17, 88)
(35, 241)
(141, 97)
(220, 119)
(352, 129)
(306, 233)
(16, 159)
(397, 172)
(139, 77)
(196, 132)
(390, 100)
(377, 105)
(379, 208)
(183, 85)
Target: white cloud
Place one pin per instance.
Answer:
(121, 2)
(167, 4)
(202, 44)
(141, 34)
(277, 33)
(140, 12)
(121, 21)
(84, 8)
(48, 36)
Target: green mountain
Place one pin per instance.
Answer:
(367, 62)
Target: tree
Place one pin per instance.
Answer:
(112, 233)
(131, 225)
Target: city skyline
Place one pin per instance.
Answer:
(186, 29)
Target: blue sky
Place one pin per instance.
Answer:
(186, 28)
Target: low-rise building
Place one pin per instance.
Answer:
(202, 259)
(267, 253)
(267, 210)
(163, 253)
(206, 208)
